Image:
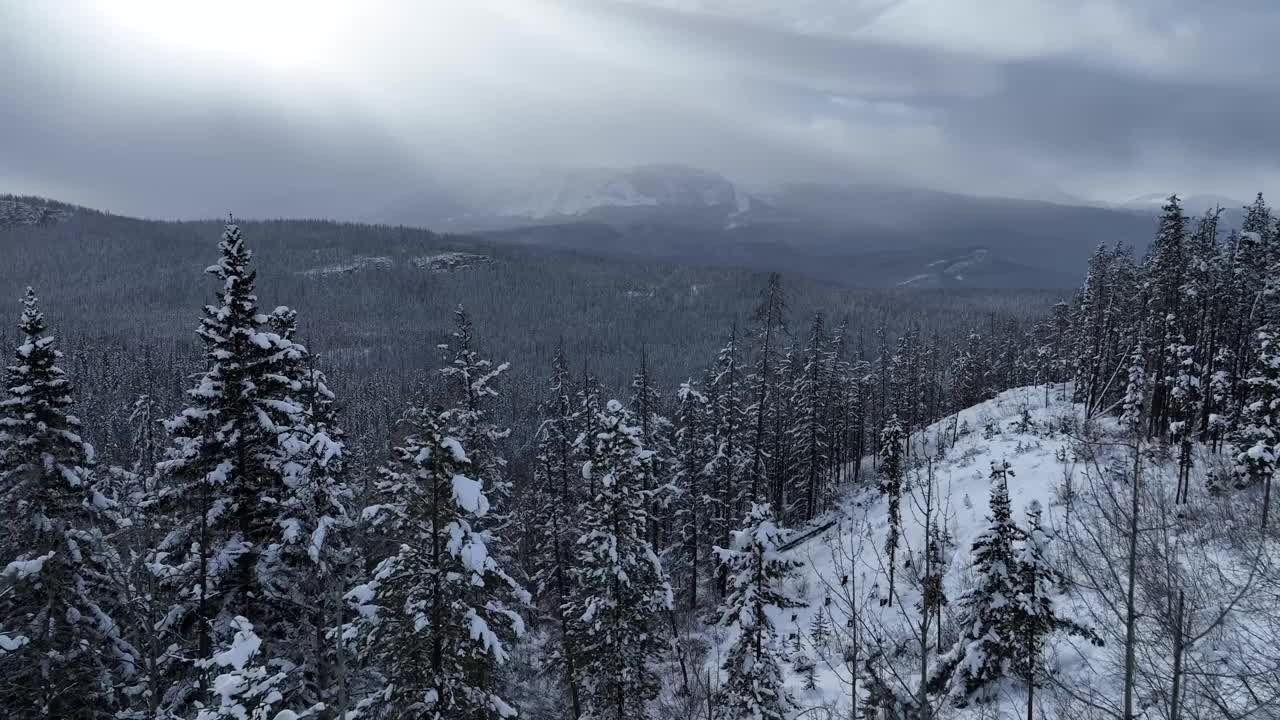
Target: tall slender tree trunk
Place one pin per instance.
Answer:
(1131, 615)
(1175, 693)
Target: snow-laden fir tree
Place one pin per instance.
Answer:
(809, 431)
(656, 434)
(243, 686)
(1035, 614)
(303, 570)
(471, 380)
(1133, 405)
(820, 632)
(764, 396)
(222, 480)
(551, 525)
(753, 687)
(892, 474)
(61, 654)
(693, 463)
(620, 594)
(438, 615)
(986, 647)
(1164, 276)
(1257, 434)
(725, 388)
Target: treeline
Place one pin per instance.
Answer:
(247, 561)
(1183, 342)
(124, 298)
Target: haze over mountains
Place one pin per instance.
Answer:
(858, 234)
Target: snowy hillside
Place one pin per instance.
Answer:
(846, 575)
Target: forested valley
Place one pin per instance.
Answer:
(456, 479)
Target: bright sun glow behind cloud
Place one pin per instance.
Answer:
(278, 35)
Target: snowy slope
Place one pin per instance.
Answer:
(846, 574)
(577, 192)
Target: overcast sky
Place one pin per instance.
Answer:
(176, 108)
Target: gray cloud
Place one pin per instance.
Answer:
(310, 115)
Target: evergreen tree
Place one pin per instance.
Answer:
(769, 316)
(553, 530)
(303, 571)
(986, 648)
(820, 632)
(892, 475)
(758, 571)
(810, 429)
(61, 654)
(245, 688)
(694, 461)
(655, 435)
(1165, 272)
(729, 464)
(1257, 438)
(223, 478)
(1133, 407)
(968, 385)
(439, 614)
(471, 383)
(620, 585)
(1034, 615)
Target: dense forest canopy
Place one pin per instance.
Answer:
(458, 479)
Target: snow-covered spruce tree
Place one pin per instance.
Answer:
(820, 633)
(758, 571)
(656, 434)
(222, 479)
(986, 647)
(551, 523)
(1164, 274)
(694, 461)
(1257, 435)
(892, 474)
(303, 570)
(438, 616)
(1035, 615)
(968, 383)
(810, 431)
(725, 392)
(243, 688)
(1133, 405)
(61, 654)
(770, 317)
(620, 588)
(471, 385)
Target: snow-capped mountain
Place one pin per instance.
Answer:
(575, 193)
(1191, 204)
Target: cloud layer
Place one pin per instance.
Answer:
(324, 108)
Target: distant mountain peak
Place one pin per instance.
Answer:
(1191, 204)
(15, 210)
(573, 193)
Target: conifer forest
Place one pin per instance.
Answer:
(639, 360)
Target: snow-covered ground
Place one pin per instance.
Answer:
(440, 262)
(360, 262)
(846, 574)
